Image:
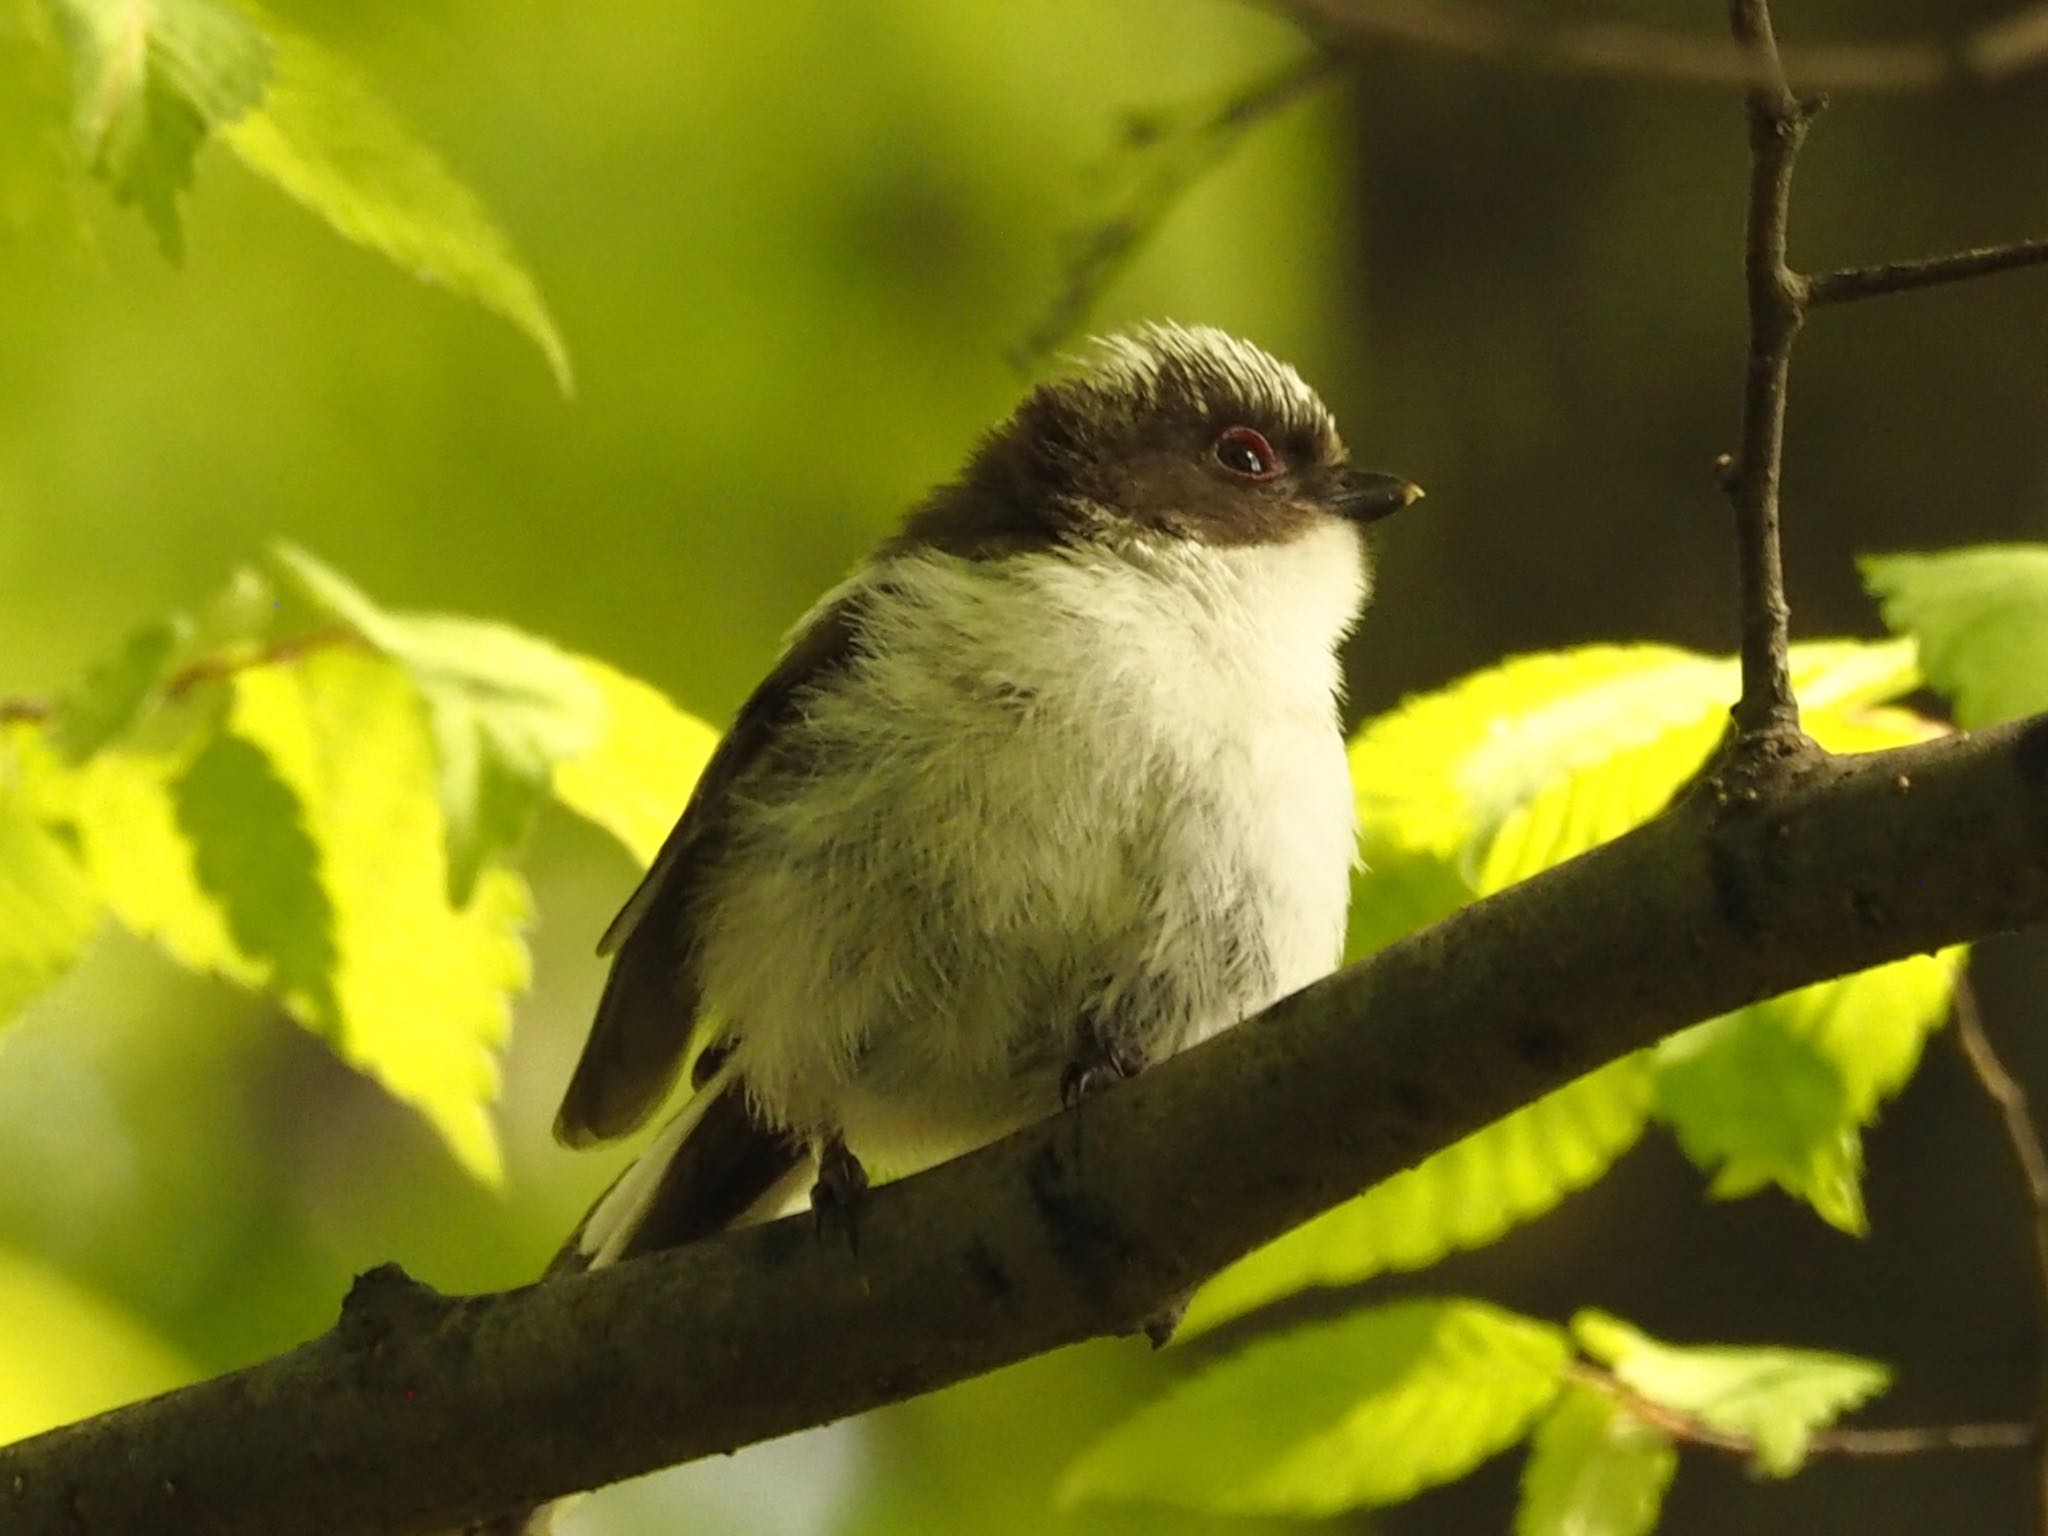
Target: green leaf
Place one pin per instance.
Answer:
(114, 694)
(152, 78)
(328, 762)
(70, 1354)
(421, 987)
(1365, 1410)
(1594, 1469)
(252, 854)
(1526, 764)
(39, 163)
(504, 709)
(121, 807)
(1464, 1197)
(47, 910)
(323, 138)
(635, 778)
(1981, 617)
(1774, 1398)
(1775, 1094)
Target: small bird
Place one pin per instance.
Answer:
(1050, 788)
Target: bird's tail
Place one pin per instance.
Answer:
(712, 1167)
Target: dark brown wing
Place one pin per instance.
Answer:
(651, 999)
(727, 1164)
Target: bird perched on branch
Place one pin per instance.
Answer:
(1051, 787)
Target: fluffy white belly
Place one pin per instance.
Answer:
(1051, 796)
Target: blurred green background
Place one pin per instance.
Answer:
(791, 249)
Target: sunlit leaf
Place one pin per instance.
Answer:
(69, 1354)
(152, 78)
(39, 160)
(504, 709)
(205, 850)
(1365, 1410)
(1981, 617)
(1594, 1469)
(112, 695)
(1463, 1197)
(121, 805)
(1774, 1398)
(324, 138)
(1776, 1094)
(422, 988)
(253, 856)
(47, 908)
(634, 780)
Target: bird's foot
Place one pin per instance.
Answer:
(836, 1197)
(1095, 1066)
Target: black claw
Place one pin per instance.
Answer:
(836, 1197)
(1160, 1326)
(1095, 1066)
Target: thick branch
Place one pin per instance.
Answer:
(417, 1412)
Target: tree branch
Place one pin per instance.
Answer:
(208, 669)
(2010, 1099)
(1851, 283)
(1987, 55)
(401, 1419)
(1766, 715)
(1853, 1440)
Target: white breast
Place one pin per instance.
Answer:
(1054, 786)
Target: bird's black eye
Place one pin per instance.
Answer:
(1245, 452)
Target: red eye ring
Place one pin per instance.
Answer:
(1245, 453)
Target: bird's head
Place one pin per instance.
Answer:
(1161, 434)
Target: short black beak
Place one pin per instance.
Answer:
(1366, 496)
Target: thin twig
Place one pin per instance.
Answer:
(2020, 1130)
(1767, 711)
(215, 669)
(1939, 1437)
(208, 669)
(1159, 161)
(1988, 55)
(1849, 283)
(1690, 1429)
